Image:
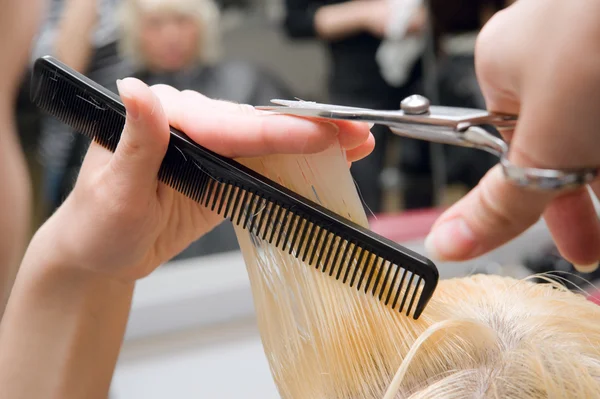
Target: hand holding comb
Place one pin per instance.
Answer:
(350, 253)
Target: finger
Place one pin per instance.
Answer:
(240, 135)
(575, 228)
(165, 93)
(497, 62)
(252, 132)
(352, 134)
(95, 159)
(145, 137)
(361, 151)
(493, 213)
(170, 99)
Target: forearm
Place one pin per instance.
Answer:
(336, 21)
(62, 330)
(417, 22)
(15, 197)
(73, 44)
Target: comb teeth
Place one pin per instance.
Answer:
(299, 236)
(357, 257)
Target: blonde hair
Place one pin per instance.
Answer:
(481, 336)
(205, 12)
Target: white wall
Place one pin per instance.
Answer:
(227, 362)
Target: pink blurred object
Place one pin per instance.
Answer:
(595, 298)
(405, 226)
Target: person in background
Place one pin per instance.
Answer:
(177, 43)
(455, 26)
(18, 24)
(353, 32)
(83, 35)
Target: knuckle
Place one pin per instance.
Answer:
(246, 109)
(492, 49)
(194, 96)
(485, 52)
(266, 140)
(128, 147)
(163, 91)
(494, 212)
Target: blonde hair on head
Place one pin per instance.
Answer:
(481, 336)
(205, 12)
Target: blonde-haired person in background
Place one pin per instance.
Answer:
(178, 43)
(169, 35)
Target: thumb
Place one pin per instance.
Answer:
(145, 137)
(491, 214)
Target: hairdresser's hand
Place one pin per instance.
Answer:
(120, 220)
(540, 59)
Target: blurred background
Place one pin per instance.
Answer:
(192, 329)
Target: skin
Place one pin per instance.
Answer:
(338, 21)
(168, 40)
(540, 59)
(67, 313)
(78, 20)
(18, 23)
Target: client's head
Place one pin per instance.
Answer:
(169, 35)
(496, 337)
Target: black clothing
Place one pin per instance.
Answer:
(460, 16)
(354, 72)
(355, 79)
(457, 81)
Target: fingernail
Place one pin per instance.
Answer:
(331, 128)
(587, 268)
(450, 240)
(130, 104)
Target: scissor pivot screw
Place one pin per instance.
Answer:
(415, 105)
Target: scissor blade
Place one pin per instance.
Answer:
(314, 105)
(328, 111)
(302, 111)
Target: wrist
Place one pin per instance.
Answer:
(56, 278)
(65, 316)
(51, 254)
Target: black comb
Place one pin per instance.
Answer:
(397, 276)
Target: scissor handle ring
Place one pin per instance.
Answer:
(548, 179)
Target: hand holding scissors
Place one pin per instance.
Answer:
(537, 59)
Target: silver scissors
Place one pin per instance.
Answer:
(418, 119)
